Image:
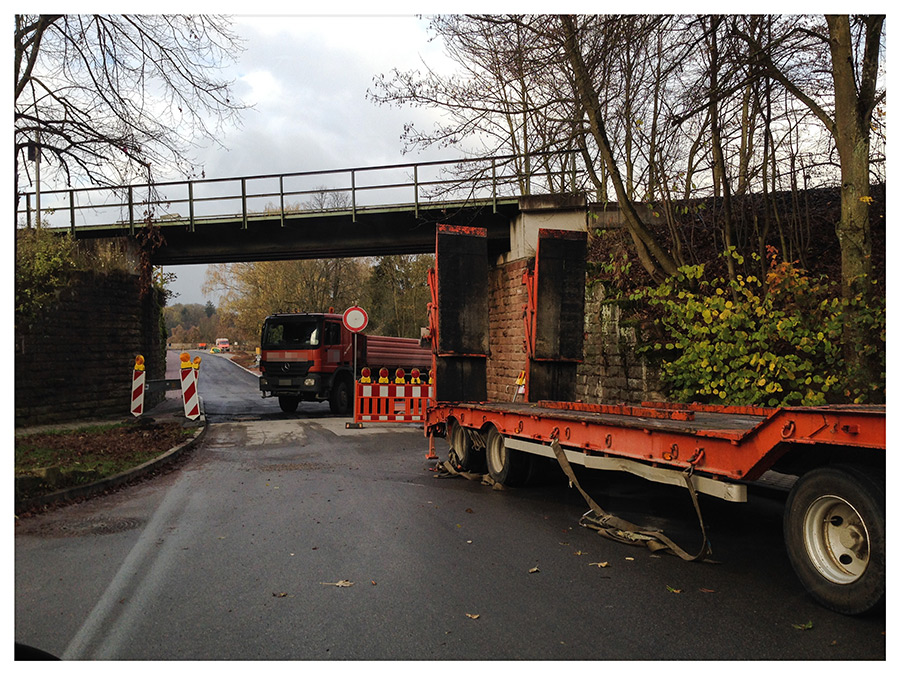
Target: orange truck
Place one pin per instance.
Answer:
(309, 357)
(832, 457)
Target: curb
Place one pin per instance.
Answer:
(90, 489)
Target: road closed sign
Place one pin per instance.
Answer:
(355, 319)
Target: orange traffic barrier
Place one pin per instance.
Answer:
(391, 402)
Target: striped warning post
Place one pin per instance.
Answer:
(137, 386)
(189, 392)
(405, 403)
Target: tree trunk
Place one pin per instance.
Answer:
(852, 116)
(590, 102)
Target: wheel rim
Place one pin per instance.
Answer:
(456, 441)
(496, 453)
(836, 539)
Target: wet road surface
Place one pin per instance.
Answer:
(291, 537)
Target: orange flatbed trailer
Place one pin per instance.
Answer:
(725, 442)
(834, 519)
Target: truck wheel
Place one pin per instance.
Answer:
(506, 466)
(341, 401)
(288, 403)
(463, 448)
(834, 529)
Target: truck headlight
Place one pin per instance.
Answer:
(310, 382)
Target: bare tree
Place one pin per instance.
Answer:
(845, 106)
(106, 99)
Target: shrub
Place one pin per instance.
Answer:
(778, 341)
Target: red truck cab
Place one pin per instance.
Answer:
(309, 357)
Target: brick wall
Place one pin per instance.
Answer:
(507, 299)
(611, 372)
(76, 362)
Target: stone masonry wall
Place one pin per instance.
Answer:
(75, 363)
(507, 299)
(612, 372)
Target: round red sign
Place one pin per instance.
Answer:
(355, 319)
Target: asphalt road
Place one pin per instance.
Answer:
(291, 537)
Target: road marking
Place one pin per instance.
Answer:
(131, 583)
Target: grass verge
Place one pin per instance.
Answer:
(49, 461)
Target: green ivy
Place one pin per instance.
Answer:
(775, 341)
(44, 260)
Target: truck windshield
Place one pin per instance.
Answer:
(290, 333)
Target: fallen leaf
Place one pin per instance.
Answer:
(629, 558)
(279, 595)
(804, 626)
(343, 583)
(579, 552)
(533, 570)
(707, 590)
(599, 564)
(469, 511)
(472, 616)
(673, 590)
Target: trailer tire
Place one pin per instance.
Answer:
(341, 399)
(834, 530)
(506, 466)
(289, 404)
(463, 449)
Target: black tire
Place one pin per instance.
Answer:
(463, 449)
(341, 399)
(289, 403)
(834, 530)
(506, 466)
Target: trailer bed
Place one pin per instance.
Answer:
(734, 442)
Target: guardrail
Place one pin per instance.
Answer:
(351, 190)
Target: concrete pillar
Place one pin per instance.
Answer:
(551, 212)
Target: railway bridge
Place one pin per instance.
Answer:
(365, 211)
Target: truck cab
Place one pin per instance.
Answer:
(307, 357)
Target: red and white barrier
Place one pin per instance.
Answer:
(391, 402)
(189, 393)
(137, 386)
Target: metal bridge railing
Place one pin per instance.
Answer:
(354, 190)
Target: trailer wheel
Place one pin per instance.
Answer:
(289, 403)
(463, 448)
(834, 529)
(341, 401)
(505, 465)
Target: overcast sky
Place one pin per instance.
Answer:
(306, 78)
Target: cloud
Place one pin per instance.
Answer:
(260, 88)
(306, 78)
